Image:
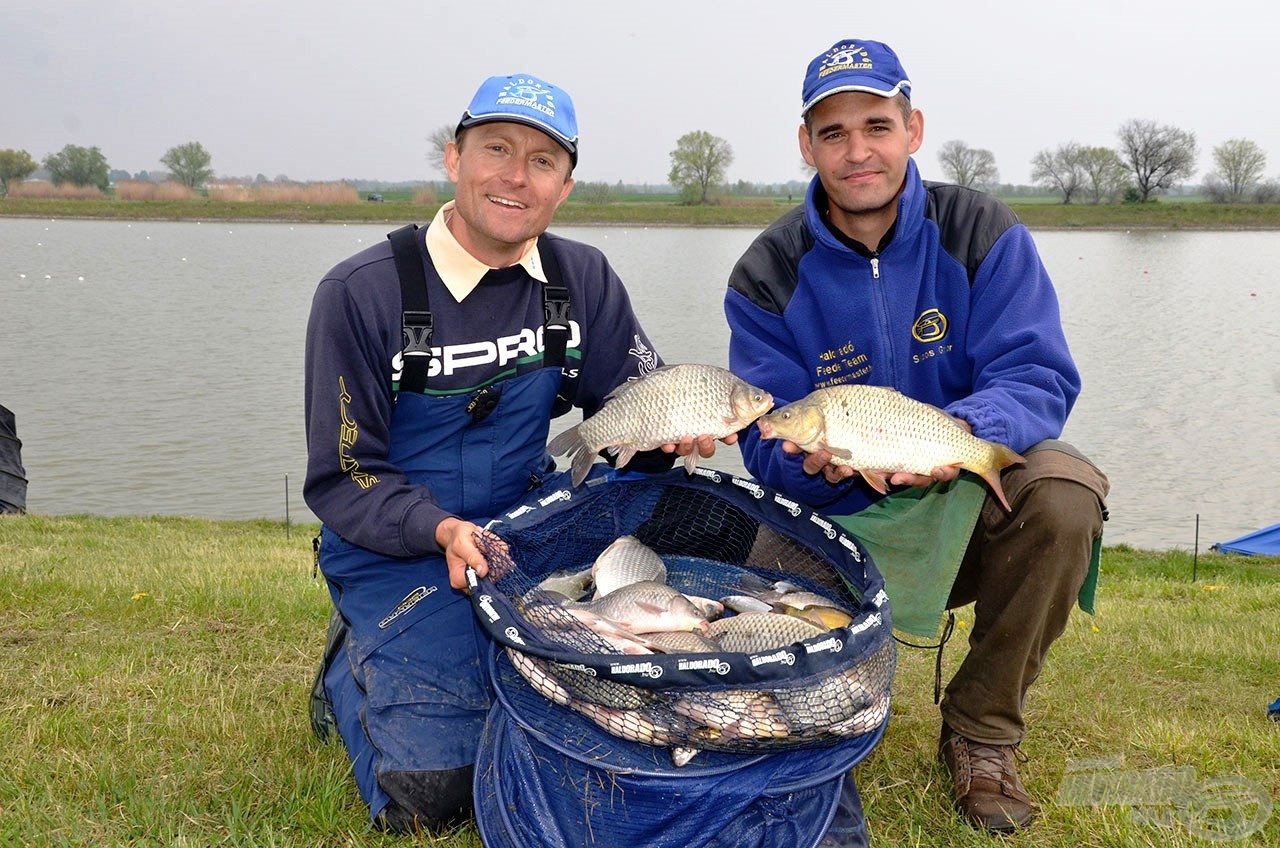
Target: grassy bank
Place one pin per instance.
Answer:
(1168, 214)
(154, 675)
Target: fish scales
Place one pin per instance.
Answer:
(646, 606)
(878, 431)
(625, 561)
(666, 405)
(752, 632)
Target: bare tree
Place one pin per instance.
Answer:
(1060, 170)
(436, 142)
(968, 166)
(1105, 175)
(699, 162)
(1241, 164)
(1268, 192)
(1159, 156)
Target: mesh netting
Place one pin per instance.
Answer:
(547, 776)
(750, 681)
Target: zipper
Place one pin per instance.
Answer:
(875, 267)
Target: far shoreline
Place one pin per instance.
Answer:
(1164, 215)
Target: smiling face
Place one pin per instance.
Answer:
(510, 180)
(860, 143)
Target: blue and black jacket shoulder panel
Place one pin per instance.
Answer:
(969, 224)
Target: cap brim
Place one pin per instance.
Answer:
(903, 88)
(469, 120)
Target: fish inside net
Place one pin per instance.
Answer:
(718, 536)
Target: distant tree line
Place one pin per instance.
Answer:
(1151, 159)
(188, 164)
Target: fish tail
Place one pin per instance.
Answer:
(583, 458)
(1002, 456)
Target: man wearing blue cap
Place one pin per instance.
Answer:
(882, 278)
(435, 362)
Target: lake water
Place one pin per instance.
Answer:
(156, 368)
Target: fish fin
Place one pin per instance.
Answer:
(623, 454)
(1002, 456)
(843, 453)
(564, 442)
(691, 461)
(571, 443)
(750, 582)
(993, 480)
(875, 480)
(582, 461)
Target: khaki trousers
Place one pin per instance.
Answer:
(1022, 571)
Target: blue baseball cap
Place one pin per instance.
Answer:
(854, 65)
(525, 99)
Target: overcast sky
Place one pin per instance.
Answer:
(322, 91)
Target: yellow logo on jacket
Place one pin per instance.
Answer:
(931, 326)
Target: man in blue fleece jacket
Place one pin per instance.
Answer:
(936, 290)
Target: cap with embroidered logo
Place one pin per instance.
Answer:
(854, 65)
(526, 99)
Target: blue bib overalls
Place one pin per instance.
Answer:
(408, 687)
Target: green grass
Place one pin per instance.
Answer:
(643, 211)
(154, 675)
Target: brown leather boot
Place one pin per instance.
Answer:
(987, 789)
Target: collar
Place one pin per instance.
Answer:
(906, 225)
(460, 271)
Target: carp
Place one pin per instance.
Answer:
(878, 431)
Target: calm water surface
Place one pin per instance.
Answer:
(156, 368)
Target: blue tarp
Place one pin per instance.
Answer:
(1265, 542)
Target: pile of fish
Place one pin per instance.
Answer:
(878, 431)
(623, 604)
(662, 407)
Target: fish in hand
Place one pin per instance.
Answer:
(878, 431)
(663, 407)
